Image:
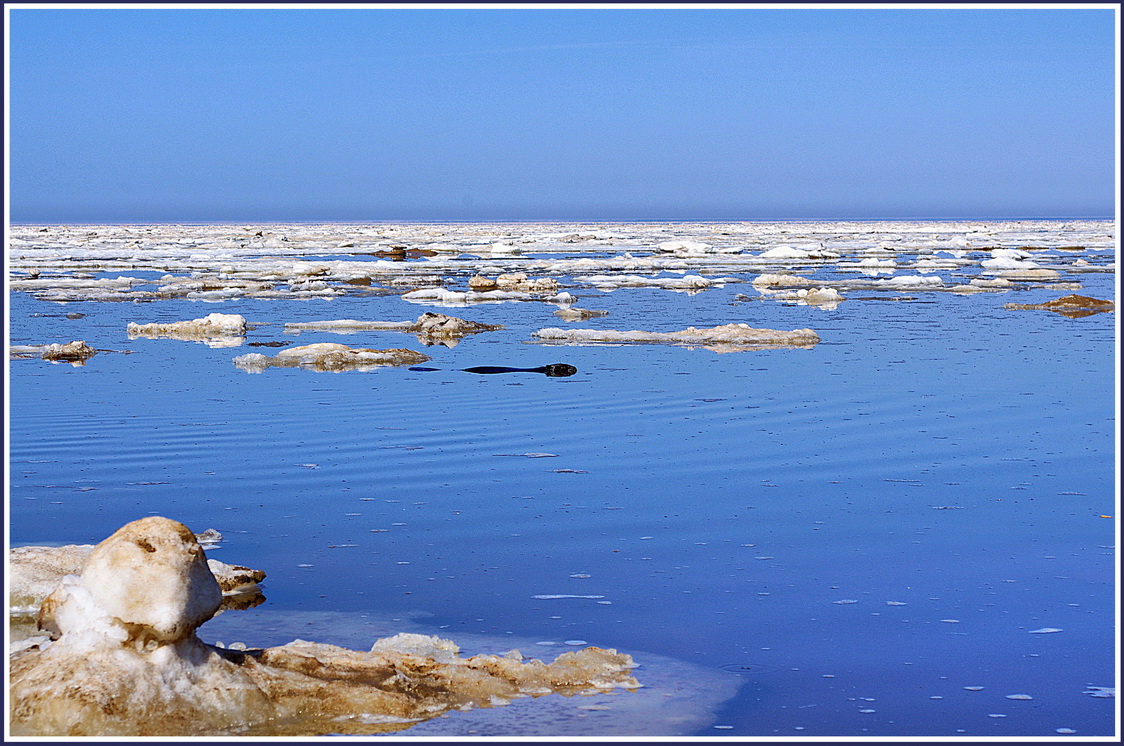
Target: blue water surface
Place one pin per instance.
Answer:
(853, 533)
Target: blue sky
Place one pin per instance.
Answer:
(589, 114)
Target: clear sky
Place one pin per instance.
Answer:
(372, 114)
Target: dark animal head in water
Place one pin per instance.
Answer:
(554, 370)
(559, 370)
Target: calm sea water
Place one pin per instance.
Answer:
(862, 538)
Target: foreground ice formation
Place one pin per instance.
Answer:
(726, 338)
(329, 357)
(216, 330)
(1071, 306)
(33, 572)
(431, 328)
(76, 352)
(126, 661)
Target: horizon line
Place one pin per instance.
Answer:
(470, 221)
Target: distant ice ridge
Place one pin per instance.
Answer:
(430, 263)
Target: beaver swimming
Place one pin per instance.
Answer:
(554, 370)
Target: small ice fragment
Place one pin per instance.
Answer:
(310, 466)
(951, 621)
(895, 603)
(576, 642)
(1065, 730)
(581, 575)
(1019, 696)
(605, 603)
(996, 715)
(846, 601)
(548, 597)
(974, 688)
(529, 455)
(1044, 631)
(303, 565)
(546, 643)
(723, 727)
(1100, 691)
(866, 712)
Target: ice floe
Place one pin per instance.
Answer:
(215, 330)
(430, 328)
(127, 661)
(579, 314)
(1071, 306)
(33, 572)
(329, 357)
(726, 338)
(76, 353)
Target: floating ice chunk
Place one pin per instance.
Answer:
(480, 283)
(785, 252)
(826, 298)
(913, 282)
(75, 353)
(1100, 692)
(1031, 275)
(1045, 631)
(216, 330)
(445, 297)
(1021, 697)
(579, 314)
(777, 280)
(727, 338)
(1010, 254)
(430, 327)
(330, 357)
(870, 266)
(1071, 306)
(529, 455)
(686, 247)
(730, 337)
(34, 572)
(1004, 262)
(687, 283)
(518, 281)
(127, 635)
(996, 282)
(551, 597)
